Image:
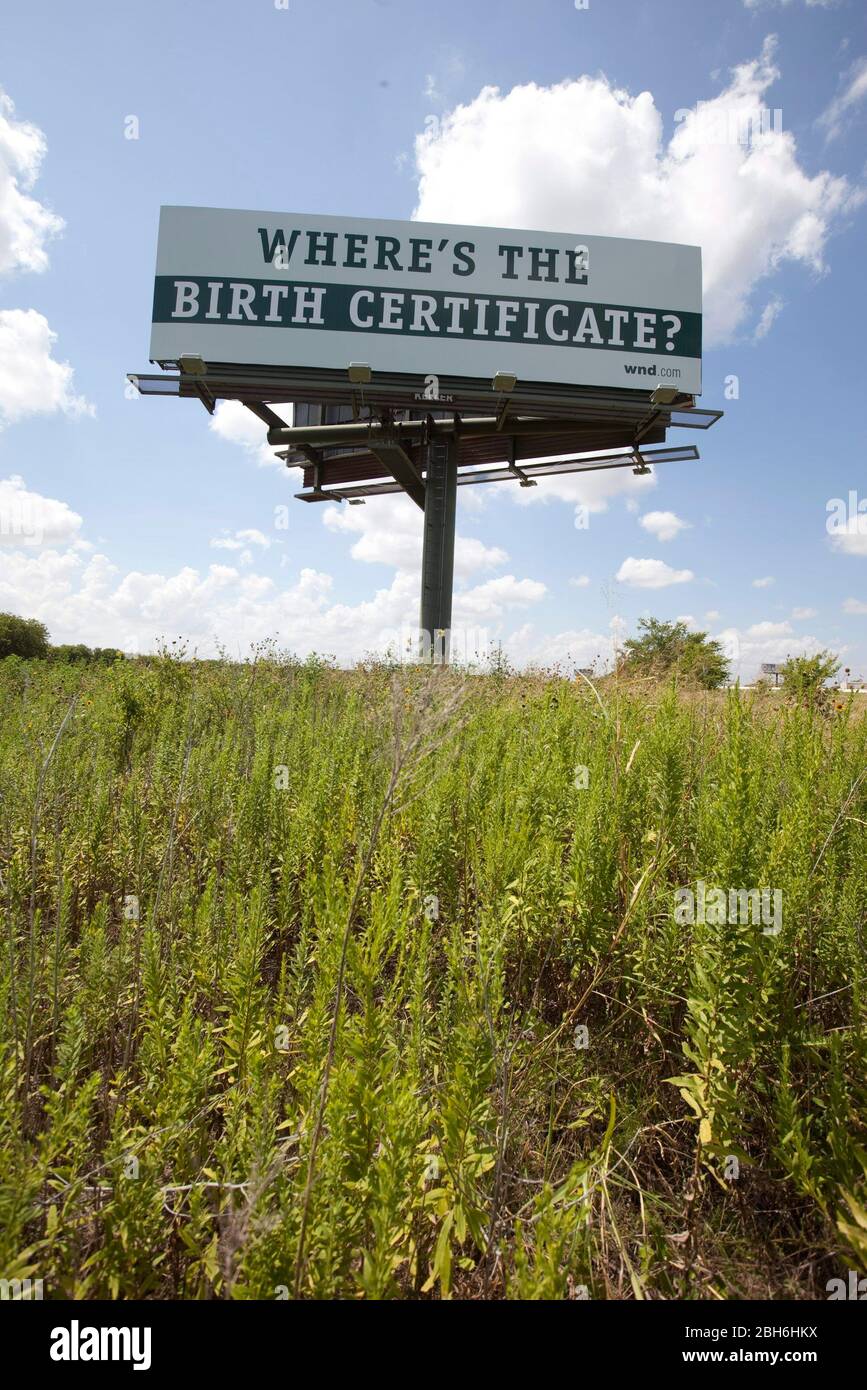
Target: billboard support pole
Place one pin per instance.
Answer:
(438, 551)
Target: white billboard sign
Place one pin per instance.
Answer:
(295, 290)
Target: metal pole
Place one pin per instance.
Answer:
(438, 552)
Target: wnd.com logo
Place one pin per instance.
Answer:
(77, 1343)
(17, 1289)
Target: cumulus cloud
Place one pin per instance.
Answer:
(765, 641)
(240, 540)
(527, 646)
(236, 424)
(768, 629)
(802, 613)
(651, 574)
(850, 535)
(31, 520)
(751, 207)
(495, 596)
(765, 582)
(389, 531)
(25, 224)
(589, 493)
(92, 601)
(854, 605)
(32, 382)
(580, 581)
(89, 599)
(663, 525)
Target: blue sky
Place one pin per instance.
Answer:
(592, 121)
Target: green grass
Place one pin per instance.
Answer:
(333, 1052)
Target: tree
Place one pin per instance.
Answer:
(664, 649)
(77, 653)
(71, 653)
(804, 677)
(25, 637)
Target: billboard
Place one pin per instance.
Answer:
(299, 290)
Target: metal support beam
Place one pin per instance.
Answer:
(264, 413)
(401, 468)
(438, 553)
(369, 435)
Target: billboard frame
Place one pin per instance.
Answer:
(391, 433)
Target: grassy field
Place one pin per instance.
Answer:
(341, 985)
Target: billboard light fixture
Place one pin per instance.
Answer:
(191, 364)
(664, 395)
(359, 373)
(504, 382)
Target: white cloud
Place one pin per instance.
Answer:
(802, 613)
(233, 422)
(240, 539)
(850, 538)
(765, 582)
(768, 629)
(651, 574)
(590, 491)
(495, 597)
(663, 525)
(686, 618)
(526, 646)
(389, 531)
(769, 316)
(91, 601)
(31, 381)
(765, 641)
(854, 90)
(25, 225)
(253, 537)
(711, 615)
(750, 208)
(94, 604)
(581, 581)
(30, 520)
(854, 605)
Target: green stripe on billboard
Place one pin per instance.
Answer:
(445, 315)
